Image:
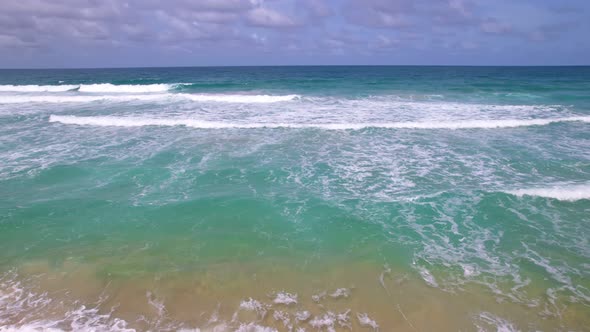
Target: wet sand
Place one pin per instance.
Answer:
(252, 297)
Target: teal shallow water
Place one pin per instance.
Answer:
(467, 182)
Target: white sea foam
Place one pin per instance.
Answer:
(261, 99)
(194, 123)
(60, 99)
(156, 303)
(318, 297)
(302, 316)
(285, 298)
(427, 276)
(340, 292)
(21, 305)
(366, 321)
(141, 95)
(253, 305)
(560, 192)
(92, 88)
(343, 319)
(136, 88)
(282, 316)
(487, 319)
(469, 270)
(324, 322)
(253, 327)
(37, 88)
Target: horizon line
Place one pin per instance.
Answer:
(311, 65)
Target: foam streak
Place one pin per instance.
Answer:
(194, 123)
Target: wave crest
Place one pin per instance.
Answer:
(136, 90)
(93, 88)
(240, 99)
(194, 123)
(112, 88)
(37, 88)
(560, 192)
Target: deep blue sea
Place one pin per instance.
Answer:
(295, 199)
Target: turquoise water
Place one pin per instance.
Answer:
(471, 183)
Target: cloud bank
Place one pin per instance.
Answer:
(93, 33)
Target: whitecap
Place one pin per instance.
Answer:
(261, 99)
(125, 88)
(563, 192)
(200, 124)
(141, 95)
(37, 88)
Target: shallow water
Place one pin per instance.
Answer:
(289, 198)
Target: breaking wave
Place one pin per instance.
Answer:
(79, 98)
(37, 88)
(194, 123)
(20, 99)
(108, 91)
(560, 192)
(92, 88)
(112, 88)
(240, 98)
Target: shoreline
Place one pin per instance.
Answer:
(229, 296)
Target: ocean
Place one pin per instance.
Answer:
(361, 198)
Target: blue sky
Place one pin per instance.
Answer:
(110, 33)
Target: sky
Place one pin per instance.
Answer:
(137, 33)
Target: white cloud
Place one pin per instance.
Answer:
(41, 27)
(264, 17)
(14, 42)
